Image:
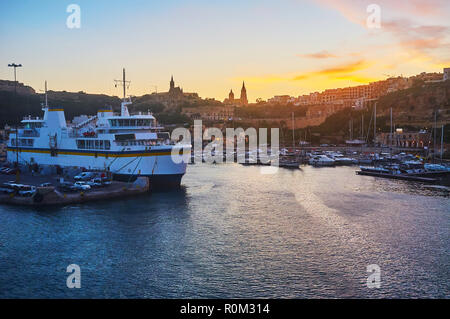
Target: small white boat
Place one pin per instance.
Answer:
(436, 167)
(340, 159)
(321, 160)
(374, 169)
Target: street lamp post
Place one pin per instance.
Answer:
(15, 66)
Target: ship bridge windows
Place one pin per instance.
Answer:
(32, 125)
(131, 122)
(28, 142)
(94, 144)
(137, 142)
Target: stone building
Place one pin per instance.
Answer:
(399, 138)
(174, 97)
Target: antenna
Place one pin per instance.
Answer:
(46, 100)
(45, 104)
(124, 83)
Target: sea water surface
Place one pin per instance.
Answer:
(232, 232)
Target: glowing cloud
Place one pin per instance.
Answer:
(335, 71)
(318, 55)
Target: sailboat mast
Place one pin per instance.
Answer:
(391, 137)
(362, 126)
(293, 132)
(375, 123)
(351, 129)
(442, 141)
(434, 137)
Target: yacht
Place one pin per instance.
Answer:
(321, 160)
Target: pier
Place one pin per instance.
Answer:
(55, 195)
(406, 177)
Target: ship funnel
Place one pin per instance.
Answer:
(55, 118)
(105, 112)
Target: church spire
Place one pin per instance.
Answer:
(172, 83)
(244, 100)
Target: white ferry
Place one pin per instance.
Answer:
(125, 145)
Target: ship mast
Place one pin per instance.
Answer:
(124, 83)
(46, 100)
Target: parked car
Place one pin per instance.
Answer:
(46, 185)
(92, 183)
(27, 190)
(66, 186)
(81, 186)
(6, 190)
(9, 171)
(13, 185)
(4, 169)
(97, 180)
(84, 176)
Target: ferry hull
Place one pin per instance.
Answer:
(157, 165)
(165, 182)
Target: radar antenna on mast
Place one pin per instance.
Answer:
(124, 83)
(46, 100)
(45, 104)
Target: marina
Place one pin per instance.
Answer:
(28, 185)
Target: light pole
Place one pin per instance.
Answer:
(13, 65)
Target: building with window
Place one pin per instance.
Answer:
(402, 139)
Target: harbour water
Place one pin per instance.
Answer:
(233, 232)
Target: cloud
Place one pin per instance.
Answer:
(404, 23)
(420, 42)
(356, 78)
(318, 55)
(355, 10)
(340, 70)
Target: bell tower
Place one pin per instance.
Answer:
(231, 96)
(244, 100)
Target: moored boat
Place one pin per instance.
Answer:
(321, 160)
(125, 145)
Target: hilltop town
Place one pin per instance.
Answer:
(414, 101)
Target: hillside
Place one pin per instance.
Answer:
(14, 108)
(27, 102)
(412, 109)
(415, 106)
